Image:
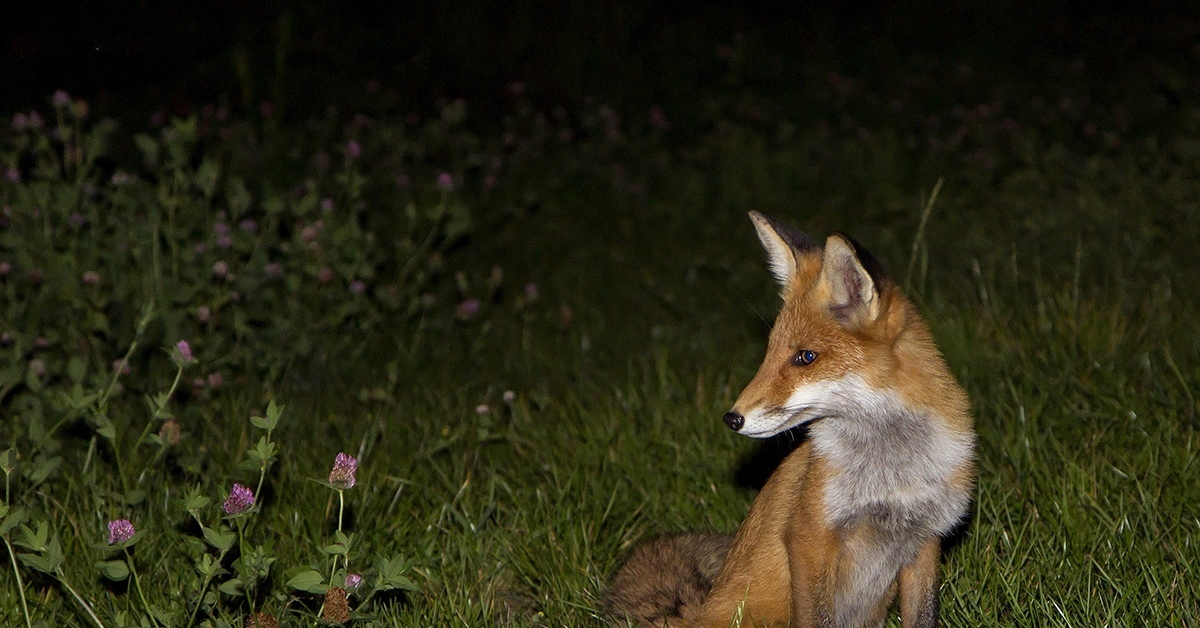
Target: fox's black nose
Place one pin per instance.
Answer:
(734, 420)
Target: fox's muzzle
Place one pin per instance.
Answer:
(734, 420)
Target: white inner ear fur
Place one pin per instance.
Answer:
(851, 290)
(781, 259)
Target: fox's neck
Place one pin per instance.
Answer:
(891, 462)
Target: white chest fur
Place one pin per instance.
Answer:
(892, 463)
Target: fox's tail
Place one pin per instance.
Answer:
(665, 578)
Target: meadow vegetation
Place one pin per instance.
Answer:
(389, 369)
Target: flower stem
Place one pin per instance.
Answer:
(62, 579)
(203, 588)
(20, 585)
(341, 507)
(137, 583)
(174, 385)
(262, 471)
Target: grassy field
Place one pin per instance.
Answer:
(526, 333)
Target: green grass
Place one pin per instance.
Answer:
(1056, 269)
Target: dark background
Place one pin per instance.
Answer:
(131, 58)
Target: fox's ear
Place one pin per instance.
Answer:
(850, 277)
(784, 245)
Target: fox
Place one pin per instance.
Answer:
(855, 516)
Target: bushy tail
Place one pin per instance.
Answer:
(665, 578)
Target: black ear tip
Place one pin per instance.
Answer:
(869, 262)
(794, 237)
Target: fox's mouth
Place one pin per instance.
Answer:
(788, 419)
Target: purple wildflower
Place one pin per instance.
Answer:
(221, 269)
(20, 121)
(183, 353)
(91, 278)
(203, 313)
(342, 475)
(12, 174)
(170, 432)
(467, 309)
(273, 270)
(445, 181)
(353, 149)
(37, 366)
(120, 531)
(357, 287)
(5, 268)
(240, 500)
(61, 98)
(531, 291)
(248, 225)
(215, 380)
(326, 204)
(353, 581)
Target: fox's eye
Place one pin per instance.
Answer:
(804, 357)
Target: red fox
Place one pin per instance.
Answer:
(856, 514)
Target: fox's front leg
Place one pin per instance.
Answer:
(812, 557)
(919, 587)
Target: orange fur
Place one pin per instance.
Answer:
(853, 517)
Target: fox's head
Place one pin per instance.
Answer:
(835, 334)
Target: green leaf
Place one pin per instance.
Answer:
(35, 539)
(193, 545)
(222, 540)
(263, 453)
(107, 430)
(195, 500)
(274, 412)
(35, 562)
(400, 582)
(206, 177)
(11, 520)
(53, 554)
(233, 587)
(135, 497)
(76, 369)
(259, 422)
(115, 570)
(391, 574)
(310, 581)
(208, 567)
(149, 147)
(43, 469)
